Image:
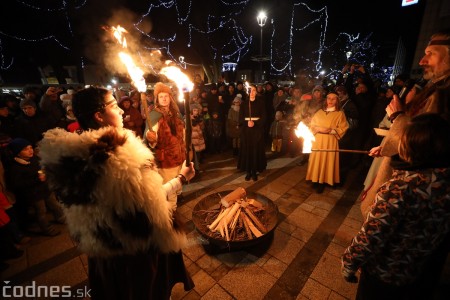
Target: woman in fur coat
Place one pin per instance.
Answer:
(115, 202)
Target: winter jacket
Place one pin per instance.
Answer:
(404, 228)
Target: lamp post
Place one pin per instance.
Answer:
(261, 18)
(348, 54)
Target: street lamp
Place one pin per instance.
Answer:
(261, 18)
(348, 54)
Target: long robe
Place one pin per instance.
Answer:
(252, 156)
(323, 167)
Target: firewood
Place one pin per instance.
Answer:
(255, 220)
(235, 219)
(221, 229)
(255, 203)
(232, 197)
(214, 224)
(252, 227)
(227, 234)
(247, 228)
(230, 216)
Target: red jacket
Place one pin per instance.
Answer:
(4, 204)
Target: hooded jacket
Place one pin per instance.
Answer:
(111, 192)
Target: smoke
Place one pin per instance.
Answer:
(101, 47)
(138, 44)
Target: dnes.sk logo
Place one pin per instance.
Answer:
(38, 291)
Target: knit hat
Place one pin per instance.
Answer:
(237, 99)
(17, 145)
(319, 88)
(27, 102)
(161, 88)
(195, 106)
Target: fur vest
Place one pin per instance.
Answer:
(111, 191)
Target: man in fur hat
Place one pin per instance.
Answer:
(166, 135)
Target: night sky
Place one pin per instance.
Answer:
(23, 23)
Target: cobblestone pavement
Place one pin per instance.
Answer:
(299, 259)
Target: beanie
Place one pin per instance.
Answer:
(195, 106)
(17, 145)
(161, 88)
(319, 88)
(27, 102)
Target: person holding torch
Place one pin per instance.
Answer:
(328, 126)
(166, 135)
(115, 202)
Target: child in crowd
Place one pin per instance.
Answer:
(27, 181)
(232, 128)
(132, 118)
(276, 132)
(214, 132)
(198, 141)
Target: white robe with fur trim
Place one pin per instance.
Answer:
(112, 194)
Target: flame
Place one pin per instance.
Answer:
(247, 86)
(136, 74)
(182, 80)
(118, 34)
(308, 137)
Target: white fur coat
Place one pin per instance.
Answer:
(112, 193)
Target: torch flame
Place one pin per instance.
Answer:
(118, 34)
(136, 74)
(308, 137)
(247, 87)
(182, 80)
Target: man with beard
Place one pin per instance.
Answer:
(434, 98)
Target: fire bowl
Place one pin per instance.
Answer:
(269, 218)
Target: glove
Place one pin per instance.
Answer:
(351, 278)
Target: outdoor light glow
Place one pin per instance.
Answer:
(262, 18)
(235, 43)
